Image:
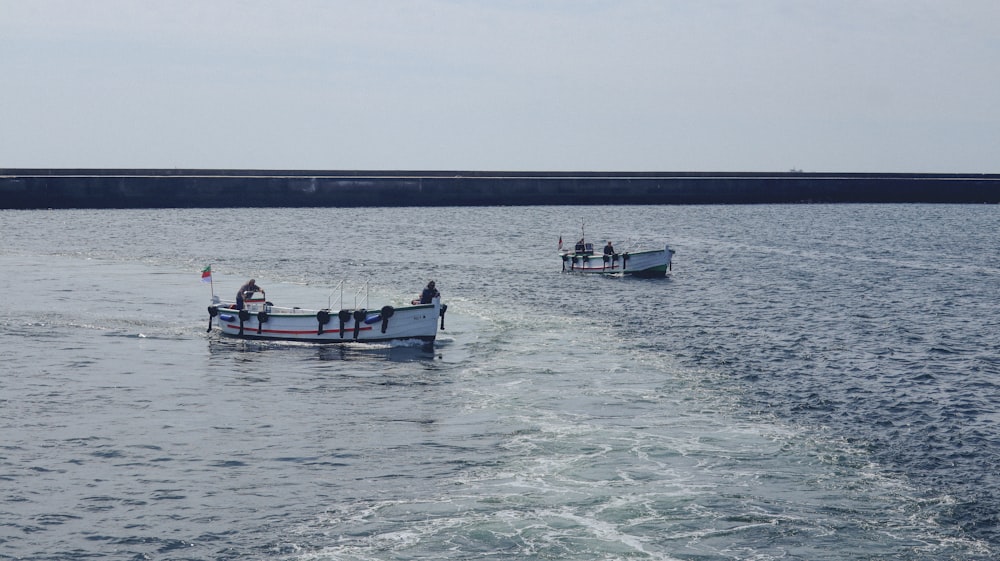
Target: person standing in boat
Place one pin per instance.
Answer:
(429, 294)
(246, 291)
(609, 249)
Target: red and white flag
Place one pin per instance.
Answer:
(560, 242)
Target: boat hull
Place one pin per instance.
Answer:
(652, 263)
(266, 322)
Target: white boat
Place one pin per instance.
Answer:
(648, 263)
(259, 319)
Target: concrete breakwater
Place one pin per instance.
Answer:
(174, 188)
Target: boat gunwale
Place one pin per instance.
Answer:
(601, 255)
(311, 313)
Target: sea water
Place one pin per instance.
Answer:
(809, 382)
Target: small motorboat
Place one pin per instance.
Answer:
(260, 319)
(647, 263)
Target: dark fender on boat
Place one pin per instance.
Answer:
(323, 317)
(244, 315)
(212, 312)
(344, 316)
(387, 312)
(359, 318)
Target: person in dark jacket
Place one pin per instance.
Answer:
(429, 294)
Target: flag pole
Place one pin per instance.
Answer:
(211, 279)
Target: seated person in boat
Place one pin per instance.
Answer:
(609, 249)
(246, 291)
(429, 294)
(580, 246)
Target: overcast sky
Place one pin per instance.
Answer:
(615, 85)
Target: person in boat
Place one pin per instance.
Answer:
(429, 294)
(581, 246)
(609, 249)
(246, 291)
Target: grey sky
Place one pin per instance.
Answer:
(622, 85)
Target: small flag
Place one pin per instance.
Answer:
(206, 274)
(560, 242)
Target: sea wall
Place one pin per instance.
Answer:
(171, 188)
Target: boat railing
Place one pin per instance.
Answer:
(340, 299)
(365, 288)
(340, 286)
